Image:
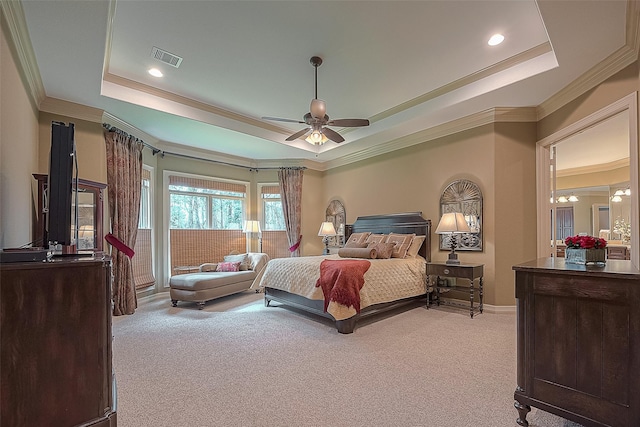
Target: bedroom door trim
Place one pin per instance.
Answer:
(544, 178)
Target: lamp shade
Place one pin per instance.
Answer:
(452, 222)
(327, 229)
(251, 226)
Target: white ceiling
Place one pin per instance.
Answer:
(405, 65)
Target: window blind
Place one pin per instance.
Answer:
(186, 181)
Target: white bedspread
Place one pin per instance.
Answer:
(386, 280)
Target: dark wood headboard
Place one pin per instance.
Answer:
(401, 223)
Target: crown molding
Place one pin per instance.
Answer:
(112, 120)
(290, 163)
(169, 148)
(467, 80)
(14, 17)
(615, 62)
(633, 25)
(192, 103)
(602, 167)
(492, 115)
(71, 109)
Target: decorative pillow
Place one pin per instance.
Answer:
(383, 250)
(358, 237)
(416, 243)
(243, 259)
(351, 244)
(402, 241)
(367, 253)
(228, 266)
(377, 238)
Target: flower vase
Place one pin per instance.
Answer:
(585, 256)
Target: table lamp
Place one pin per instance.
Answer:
(326, 229)
(453, 223)
(252, 227)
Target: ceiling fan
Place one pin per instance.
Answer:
(317, 119)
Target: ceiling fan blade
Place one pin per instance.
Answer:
(332, 135)
(348, 123)
(298, 134)
(278, 119)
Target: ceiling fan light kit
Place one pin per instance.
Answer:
(316, 138)
(317, 119)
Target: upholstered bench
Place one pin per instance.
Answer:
(206, 285)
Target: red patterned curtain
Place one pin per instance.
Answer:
(124, 174)
(291, 196)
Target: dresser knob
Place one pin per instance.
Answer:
(446, 271)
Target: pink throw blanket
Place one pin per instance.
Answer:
(341, 281)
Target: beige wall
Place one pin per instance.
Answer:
(18, 151)
(499, 158)
(514, 227)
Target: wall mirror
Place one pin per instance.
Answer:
(336, 214)
(592, 181)
(463, 196)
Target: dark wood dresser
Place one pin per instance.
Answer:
(55, 338)
(578, 344)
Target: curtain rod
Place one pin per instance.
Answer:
(155, 151)
(111, 128)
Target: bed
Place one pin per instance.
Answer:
(385, 283)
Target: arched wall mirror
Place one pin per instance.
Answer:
(593, 176)
(335, 214)
(463, 196)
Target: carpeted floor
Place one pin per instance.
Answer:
(238, 363)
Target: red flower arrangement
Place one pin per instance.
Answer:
(585, 242)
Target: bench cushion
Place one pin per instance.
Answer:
(208, 280)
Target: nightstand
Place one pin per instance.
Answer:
(470, 272)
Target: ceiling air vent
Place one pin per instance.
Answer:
(166, 57)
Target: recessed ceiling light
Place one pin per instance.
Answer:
(155, 72)
(496, 39)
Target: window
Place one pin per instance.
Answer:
(206, 216)
(274, 236)
(206, 204)
(142, 263)
(145, 200)
(273, 217)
